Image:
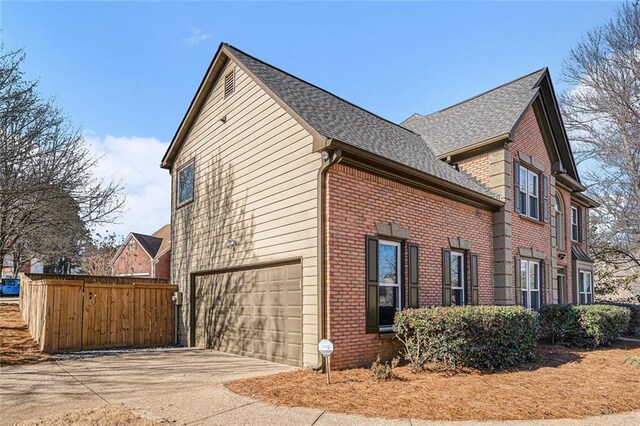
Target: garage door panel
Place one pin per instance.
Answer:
(256, 312)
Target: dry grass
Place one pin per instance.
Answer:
(564, 383)
(107, 415)
(16, 345)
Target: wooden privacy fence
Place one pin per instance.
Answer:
(70, 313)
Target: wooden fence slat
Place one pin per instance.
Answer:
(132, 312)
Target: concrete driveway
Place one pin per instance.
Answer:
(181, 386)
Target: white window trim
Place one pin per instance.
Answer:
(398, 278)
(525, 210)
(461, 272)
(576, 223)
(193, 179)
(132, 245)
(526, 264)
(580, 288)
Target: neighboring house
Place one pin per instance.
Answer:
(31, 266)
(145, 255)
(298, 216)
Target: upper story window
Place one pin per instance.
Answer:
(390, 282)
(561, 239)
(132, 245)
(529, 193)
(575, 223)
(229, 84)
(185, 184)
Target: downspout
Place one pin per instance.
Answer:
(329, 158)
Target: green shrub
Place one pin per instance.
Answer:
(491, 337)
(586, 326)
(634, 322)
(558, 323)
(601, 324)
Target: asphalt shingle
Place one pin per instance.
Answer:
(335, 118)
(491, 114)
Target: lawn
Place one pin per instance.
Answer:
(108, 415)
(16, 345)
(563, 383)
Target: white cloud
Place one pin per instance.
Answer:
(197, 36)
(135, 161)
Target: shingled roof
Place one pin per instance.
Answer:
(338, 119)
(486, 116)
(149, 243)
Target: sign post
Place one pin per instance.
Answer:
(325, 347)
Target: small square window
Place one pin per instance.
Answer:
(185, 184)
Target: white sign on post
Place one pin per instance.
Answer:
(325, 347)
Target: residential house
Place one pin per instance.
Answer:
(297, 215)
(32, 265)
(144, 255)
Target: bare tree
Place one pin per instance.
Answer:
(98, 254)
(602, 115)
(47, 186)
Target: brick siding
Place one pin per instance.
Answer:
(356, 201)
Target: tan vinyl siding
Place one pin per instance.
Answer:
(255, 183)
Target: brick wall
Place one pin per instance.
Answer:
(477, 166)
(163, 266)
(566, 261)
(356, 201)
(528, 233)
(132, 262)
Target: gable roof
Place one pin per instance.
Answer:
(164, 234)
(335, 119)
(487, 116)
(149, 243)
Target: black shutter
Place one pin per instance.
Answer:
(543, 284)
(583, 225)
(516, 274)
(474, 279)
(371, 296)
(516, 186)
(544, 210)
(446, 277)
(414, 293)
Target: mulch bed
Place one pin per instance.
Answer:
(563, 383)
(16, 345)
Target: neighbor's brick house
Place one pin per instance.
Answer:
(144, 255)
(297, 215)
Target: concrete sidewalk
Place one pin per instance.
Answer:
(180, 386)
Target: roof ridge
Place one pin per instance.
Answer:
(319, 88)
(485, 92)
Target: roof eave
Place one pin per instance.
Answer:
(505, 137)
(368, 160)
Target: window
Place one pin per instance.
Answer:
(575, 227)
(132, 246)
(185, 184)
(561, 241)
(389, 279)
(530, 283)
(229, 84)
(529, 193)
(457, 279)
(562, 285)
(585, 281)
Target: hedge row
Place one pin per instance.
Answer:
(584, 326)
(634, 322)
(489, 337)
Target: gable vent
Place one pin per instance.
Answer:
(229, 84)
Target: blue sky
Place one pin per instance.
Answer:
(126, 72)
